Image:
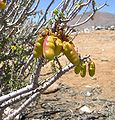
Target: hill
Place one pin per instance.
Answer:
(100, 19)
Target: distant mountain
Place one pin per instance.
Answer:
(100, 19)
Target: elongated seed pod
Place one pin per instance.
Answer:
(91, 68)
(48, 47)
(77, 69)
(83, 70)
(70, 53)
(58, 46)
(2, 5)
(38, 48)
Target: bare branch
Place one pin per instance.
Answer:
(37, 3)
(82, 15)
(76, 10)
(57, 60)
(58, 6)
(8, 8)
(21, 108)
(15, 93)
(21, 15)
(36, 75)
(44, 16)
(65, 5)
(88, 18)
(26, 65)
(15, 100)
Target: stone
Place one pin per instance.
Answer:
(85, 109)
(104, 59)
(53, 88)
(88, 94)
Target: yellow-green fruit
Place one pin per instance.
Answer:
(44, 32)
(36, 55)
(60, 34)
(40, 39)
(77, 69)
(49, 54)
(2, 5)
(83, 70)
(91, 68)
(71, 42)
(58, 46)
(38, 48)
(70, 53)
(49, 47)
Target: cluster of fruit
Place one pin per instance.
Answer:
(51, 45)
(81, 68)
(2, 4)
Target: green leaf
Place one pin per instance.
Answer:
(77, 5)
(55, 12)
(13, 47)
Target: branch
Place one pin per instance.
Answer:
(65, 5)
(72, 13)
(39, 90)
(16, 13)
(42, 87)
(76, 10)
(88, 18)
(15, 100)
(58, 6)
(21, 15)
(58, 62)
(14, 96)
(8, 8)
(36, 75)
(26, 65)
(22, 107)
(15, 93)
(73, 2)
(44, 16)
(37, 3)
(82, 15)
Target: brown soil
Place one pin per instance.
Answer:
(101, 46)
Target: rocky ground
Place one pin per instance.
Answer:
(67, 104)
(82, 98)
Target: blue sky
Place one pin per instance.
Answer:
(110, 8)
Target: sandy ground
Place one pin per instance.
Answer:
(97, 93)
(101, 46)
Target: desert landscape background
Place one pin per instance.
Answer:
(103, 19)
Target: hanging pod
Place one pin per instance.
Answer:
(2, 4)
(83, 70)
(49, 47)
(58, 46)
(38, 48)
(91, 68)
(77, 69)
(70, 53)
